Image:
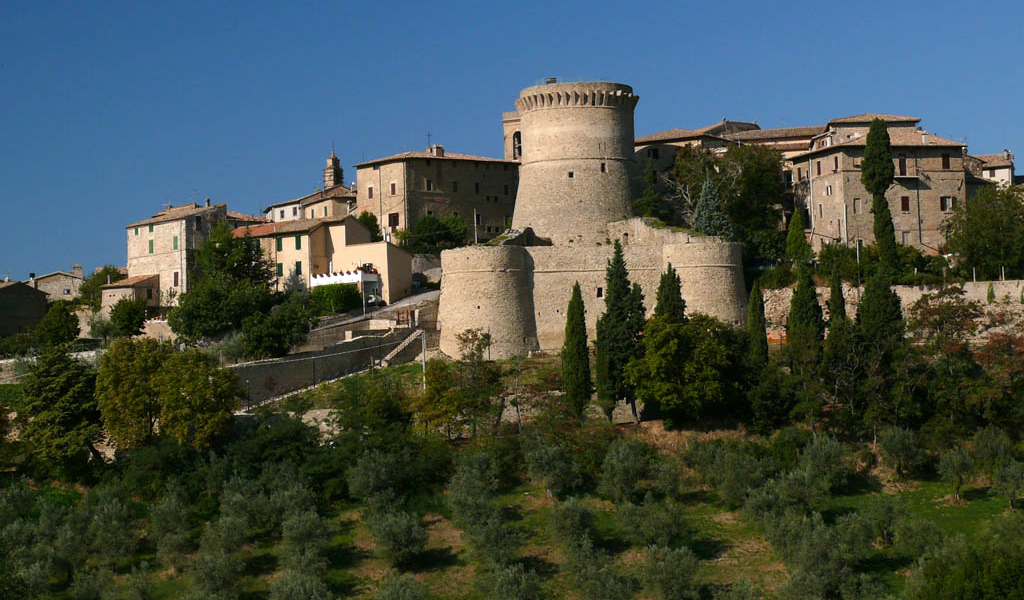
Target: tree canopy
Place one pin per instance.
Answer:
(59, 326)
(988, 233)
(576, 355)
(126, 389)
(197, 397)
(89, 290)
(876, 173)
(619, 331)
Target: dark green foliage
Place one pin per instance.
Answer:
(234, 258)
(126, 390)
(804, 326)
(757, 334)
(399, 535)
(877, 171)
(885, 237)
(216, 305)
(777, 277)
(955, 467)
(274, 334)
(59, 326)
(797, 247)
(474, 509)
(575, 356)
(628, 463)
(651, 523)
(89, 293)
(63, 418)
(991, 450)
(977, 571)
(197, 397)
(650, 203)
(619, 331)
(263, 504)
(900, 449)
(594, 575)
(336, 298)
(552, 462)
(879, 321)
(217, 567)
(369, 220)
(128, 316)
(1009, 481)
(990, 296)
(571, 520)
(709, 214)
(823, 461)
(670, 574)
(514, 582)
(914, 537)
(670, 305)
(303, 537)
(431, 235)
(886, 514)
(297, 585)
(989, 234)
(400, 587)
(787, 446)
(169, 525)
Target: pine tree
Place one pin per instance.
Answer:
(709, 215)
(669, 303)
(756, 330)
(797, 247)
(575, 357)
(877, 171)
(618, 333)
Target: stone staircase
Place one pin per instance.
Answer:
(399, 348)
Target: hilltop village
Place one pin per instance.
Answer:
(727, 363)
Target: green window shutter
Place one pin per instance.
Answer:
(280, 268)
(175, 242)
(298, 267)
(151, 229)
(150, 246)
(136, 231)
(279, 248)
(298, 242)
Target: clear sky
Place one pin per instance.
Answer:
(110, 110)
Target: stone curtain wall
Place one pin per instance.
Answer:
(266, 379)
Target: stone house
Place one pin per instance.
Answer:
(59, 285)
(21, 307)
(997, 168)
(131, 288)
(930, 180)
(333, 200)
(306, 248)
(402, 189)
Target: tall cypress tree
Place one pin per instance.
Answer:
(756, 330)
(669, 303)
(879, 315)
(876, 173)
(797, 247)
(805, 326)
(840, 367)
(575, 357)
(618, 333)
(709, 215)
(836, 301)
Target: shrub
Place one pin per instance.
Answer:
(218, 565)
(335, 298)
(900, 449)
(399, 535)
(739, 590)
(651, 523)
(992, 449)
(303, 537)
(786, 446)
(824, 461)
(374, 477)
(513, 582)
(552, 463)
(1009, 481)
(628, 462)
(955, 467)
(777, 277)
(400, 587)
(914, 537)
(570, 520)
(670, 573)
(885, 514)
(293, 585)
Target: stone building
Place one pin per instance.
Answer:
(576, 144)
(146, 287)
(930, 180)
(21, 307)
(406, 187)
(59, 285)
(333, 200)
(660, 148)
(307, 248)
(997, 168)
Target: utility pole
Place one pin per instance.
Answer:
(475, 240)
(423, 355)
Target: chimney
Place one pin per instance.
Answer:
(207, 203)
(1007, 155)
(76, 270)
(437, 150)
(551, 80)
(32, 280)
(924, 137)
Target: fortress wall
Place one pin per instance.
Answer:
(488, 287)
(712, 277)
(637, 231)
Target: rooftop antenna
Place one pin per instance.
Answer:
(428, 140)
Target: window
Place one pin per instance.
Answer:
(430, 212)
(369, 192)
(325, 211)
(151, 229)
(799, 173)
(603, 168)
(821, 211)
(479, 219)
(430, 185)
(652, 153)
(295, 211)
(199, 221)
(67, 291)
(517, 145)
(150, 246)
(905, 235)
(174, 243)
(310, 214)
(946, 203)
(818, 165)
(600, 292)
(476, 188)
(991, 173)
(945, 161)
(856, 206)
(280, 244)
(280, 270)
(393, 221)
(905, 204)
(506, 189)
(281, 214)
(860, 244)
(903, 164)
(835, 164)
(570, 174)
(298, 242)
(828, 190)
(455, 186)
(392, 188)
(175, 279)
(136, 231)
(856, 163)
(149, 293)
(298, 267)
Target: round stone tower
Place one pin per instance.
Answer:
(577, 159)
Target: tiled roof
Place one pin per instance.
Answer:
(776, 132)
(175, 213)
(675, 134)
(897, 139)
(9, 284)
(283, 227)
(868, 117)
(338, 191)
(994, 161)
(447, 156)
(130, 282)
(63, 273)
(236, 216)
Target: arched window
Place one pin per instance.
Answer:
(517, 145)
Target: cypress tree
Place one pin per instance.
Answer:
(575, 357)
(805, 326)
(650, 203)
(836, 367)
(797, 247)
(836, 301)
(709, 215)
(756, 327)
(876, 173)
(618, 333)
(669, 303)
(879, 317)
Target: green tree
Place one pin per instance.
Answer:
(876, 173)
(619, 331)
(335, 298)
(988, 233)
(128, 317)
(693, 165)
(62, 420)
(840, 363)
(576, 356)
(431, 235)
(89, 293)
(990, 296)
(757, 333)
(669, 303)
(709, 215)
(1009, 481)
(196, 398)
(369, 220)
(955, 467)
(217, 305)
(804, 326)
(59, 326)
(126, 389)
(650, 203)
(236, 258)
(900, 448)
(100, 328)
(286, 325)
(797, 247)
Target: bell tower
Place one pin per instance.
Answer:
(333, 174)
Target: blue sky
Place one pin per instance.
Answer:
(110, 110)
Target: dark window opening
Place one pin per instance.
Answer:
(945, 161)
(517, 145)
(603, 169)
(600, 292)
(905, 204)
(570, 174)
(903, 164)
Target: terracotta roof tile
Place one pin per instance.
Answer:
(994, 161)
(897, 138)
(175, 213)
(130, 282)
(338, 191)
(284, 227)
(236, 216)
(868, 117)
(776, 132)
(447, 156)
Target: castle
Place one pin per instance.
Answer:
(575, 142)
